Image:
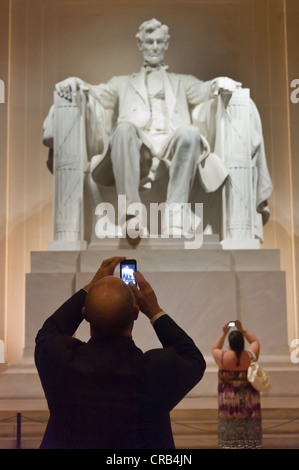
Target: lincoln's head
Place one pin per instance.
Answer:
(153, 39)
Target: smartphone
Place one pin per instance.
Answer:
(127, 269)
(232, 323)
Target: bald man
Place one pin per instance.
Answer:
(110, 308)
(107, 393)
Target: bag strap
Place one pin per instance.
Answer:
(252, 355)
(221, 360)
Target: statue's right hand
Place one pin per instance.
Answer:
(67, 87)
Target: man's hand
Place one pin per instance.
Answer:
(107, 268)
(69, 86)
(145, 296)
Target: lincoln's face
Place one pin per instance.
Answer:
(153, 47)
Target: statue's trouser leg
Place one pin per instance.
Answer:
(186, 149)
(126, 147)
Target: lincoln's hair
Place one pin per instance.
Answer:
(149, 27)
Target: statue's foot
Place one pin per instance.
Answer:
(183, 222)
(175, 232)
(145, 185)
(133, 230)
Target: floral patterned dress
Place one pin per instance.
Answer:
(239, 411)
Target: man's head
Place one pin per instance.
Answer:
(153, 40)
(110, 308)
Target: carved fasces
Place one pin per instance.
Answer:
(233, 144)
(231, 124)
(70, 163)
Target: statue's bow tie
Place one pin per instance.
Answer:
(149, 68)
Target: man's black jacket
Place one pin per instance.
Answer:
(109, 394)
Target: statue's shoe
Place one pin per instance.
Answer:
(134, 230)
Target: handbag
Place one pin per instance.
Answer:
(257, 376)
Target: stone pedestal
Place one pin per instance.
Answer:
(201, 289)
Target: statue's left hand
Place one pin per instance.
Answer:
(225, 84)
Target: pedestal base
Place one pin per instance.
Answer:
(240, 244)
(200, 289)
(59, 245)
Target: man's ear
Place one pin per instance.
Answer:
(136, 312)
(83, 310)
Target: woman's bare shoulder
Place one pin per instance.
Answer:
(230, 360)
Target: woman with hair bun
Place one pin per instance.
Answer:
(239, 410)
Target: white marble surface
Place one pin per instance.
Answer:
(169, 259)
(202, 302)
(45, 292)
(201, 291)
(60, 262)
(227, 152)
